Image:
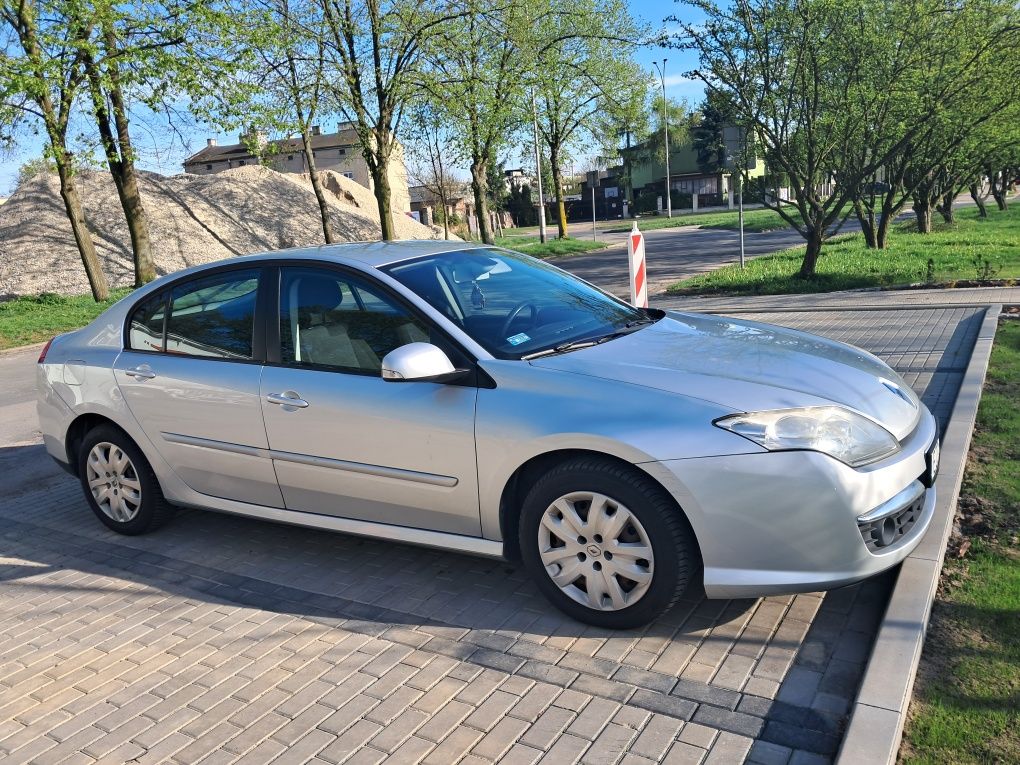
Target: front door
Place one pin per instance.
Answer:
(352, 444)
(190, 378)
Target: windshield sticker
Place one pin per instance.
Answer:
(518, 339)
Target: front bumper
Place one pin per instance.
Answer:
(784, 522)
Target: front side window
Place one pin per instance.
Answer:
(329, 319)
(513, 305)
(214, 316)
(145, 330)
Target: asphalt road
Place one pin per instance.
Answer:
(674, 254)
(18, 424)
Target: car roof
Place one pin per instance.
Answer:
(373, 254)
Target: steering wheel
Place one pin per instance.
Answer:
(515, 312)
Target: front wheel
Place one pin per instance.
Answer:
(119, 483)
(605, 543)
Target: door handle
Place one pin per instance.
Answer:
(287, 399)
(140, 373)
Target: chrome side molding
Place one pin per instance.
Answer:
(382, 471)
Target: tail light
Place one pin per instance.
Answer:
(45, 350)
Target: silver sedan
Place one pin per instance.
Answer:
(474, 399)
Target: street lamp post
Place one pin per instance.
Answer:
(538, 171)
(665, 131)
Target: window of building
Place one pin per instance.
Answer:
(240, 163)
(342, 152)
(214, 316)
(328, 319)
(208, 167)
(348, 175)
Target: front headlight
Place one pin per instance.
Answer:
(832, 430)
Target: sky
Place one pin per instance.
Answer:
(162, 151)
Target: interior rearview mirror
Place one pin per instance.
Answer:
(419, 362)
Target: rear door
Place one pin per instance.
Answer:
(190, 375)
(352, 444)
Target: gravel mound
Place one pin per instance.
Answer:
(193, 219)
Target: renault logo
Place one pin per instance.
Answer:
(594, 551)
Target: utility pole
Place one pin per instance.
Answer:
(665, 131)
(538, 172)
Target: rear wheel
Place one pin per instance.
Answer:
(119, 483)
(605, 543)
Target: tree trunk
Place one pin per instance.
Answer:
(922, 211)
(866, 217)
(882, 234)
(82, 237)
(119, 152)
(378, 162)
(998, 190)
(130, 196)
(945, 207)
(313, 175)
(479, 184)
(561, 204)
(979, 200)
(125, 179)
(381, 184)
(814, 249)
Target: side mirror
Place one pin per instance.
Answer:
(419, 362)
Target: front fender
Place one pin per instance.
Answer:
(534, 411)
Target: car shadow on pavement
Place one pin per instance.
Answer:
(298, 570)
(484, 612)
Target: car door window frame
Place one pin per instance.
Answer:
(262, 296)
(274, 351)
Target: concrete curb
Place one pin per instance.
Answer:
(876, 725)
(22, 348)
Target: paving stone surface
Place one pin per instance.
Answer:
(224, 639)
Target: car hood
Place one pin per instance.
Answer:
(748, 366)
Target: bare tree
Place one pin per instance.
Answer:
(376, 48)
(286, 44)
(430, 157)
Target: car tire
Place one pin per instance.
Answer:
(119, 484)
(654, 521)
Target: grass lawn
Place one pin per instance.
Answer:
(756, 221)
(971, 248)
(27, 320)
(553, 248)
(966, 706)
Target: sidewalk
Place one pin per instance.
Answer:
(854, 300)
(224, 639)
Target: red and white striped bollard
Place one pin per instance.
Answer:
(638, 279)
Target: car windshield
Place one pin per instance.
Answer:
(515, 306)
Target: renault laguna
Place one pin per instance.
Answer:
(473, 399)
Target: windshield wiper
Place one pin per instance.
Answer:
(587, 342)
(573, 345)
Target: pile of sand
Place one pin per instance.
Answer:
(192, 219)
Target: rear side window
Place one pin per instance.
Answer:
(214, 316)
(146, 327)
